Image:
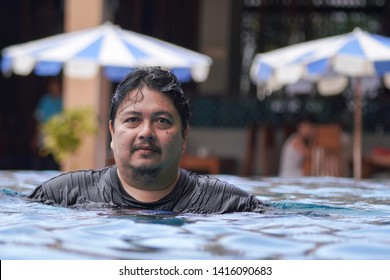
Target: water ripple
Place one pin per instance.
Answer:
(309, 218)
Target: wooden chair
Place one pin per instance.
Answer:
(249, 160)
(208, 164)
(327, 157)
(260, 139)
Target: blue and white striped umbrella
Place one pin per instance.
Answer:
(328, 62)
(81, 53)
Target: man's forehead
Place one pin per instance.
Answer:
(142, 98)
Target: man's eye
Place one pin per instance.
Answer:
(163, 120)
(132, 120)
(163, 123)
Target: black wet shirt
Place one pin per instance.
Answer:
(192, 193)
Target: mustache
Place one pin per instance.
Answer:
(146, 146)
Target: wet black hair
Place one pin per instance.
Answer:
(156, 79)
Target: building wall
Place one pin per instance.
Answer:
(232, 143)
(206, 27)
(214, 41)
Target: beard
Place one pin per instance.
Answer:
(145, 173)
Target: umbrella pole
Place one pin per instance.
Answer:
(357, 143)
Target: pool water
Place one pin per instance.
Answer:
(311, 218)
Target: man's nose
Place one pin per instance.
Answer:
(147, 131)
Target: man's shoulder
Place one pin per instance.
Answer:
(214, 195)
(80, 180)
(210, 183)
(74, 186)
(88, 175)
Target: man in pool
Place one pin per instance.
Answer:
(149, 125)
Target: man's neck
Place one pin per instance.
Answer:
(147, 191)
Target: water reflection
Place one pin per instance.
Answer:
(311, 218)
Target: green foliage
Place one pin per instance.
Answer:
(63, 132)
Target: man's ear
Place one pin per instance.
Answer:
(111, 128)
(185, 134)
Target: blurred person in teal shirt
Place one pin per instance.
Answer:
(48, 106)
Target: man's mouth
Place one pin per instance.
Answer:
(146, 148)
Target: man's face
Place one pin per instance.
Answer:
(147, 135)
(306, 130)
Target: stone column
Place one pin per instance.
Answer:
(214, 37)
(92, 93)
